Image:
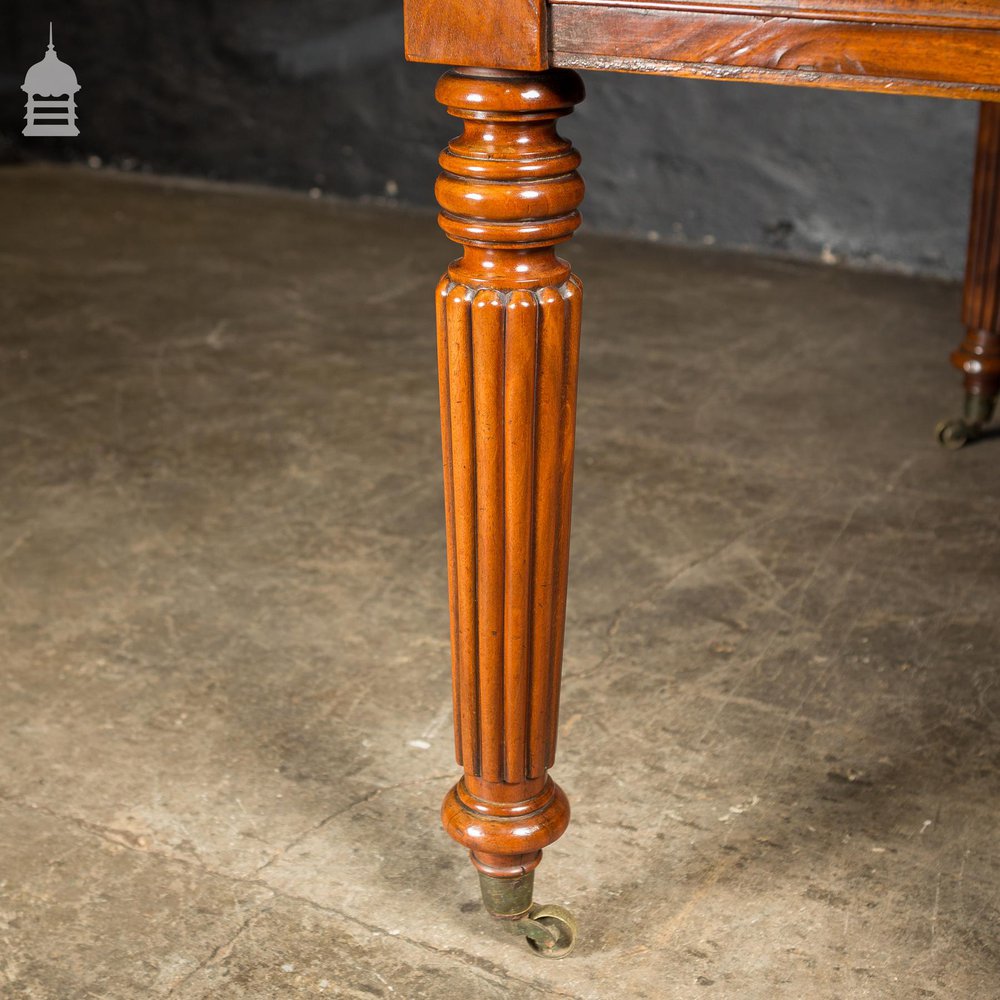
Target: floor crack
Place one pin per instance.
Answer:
(361, 800)
(222, 951)
(480, 967)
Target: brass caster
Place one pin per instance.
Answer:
(955, 434)
(549, 930)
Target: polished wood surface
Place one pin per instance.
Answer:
(508, 318)
(912, 52)
(967, 14)
(979, 355)
(512, 34)
(508, 346)
(944, 49)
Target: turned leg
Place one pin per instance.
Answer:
(979, 356)
(508, 337)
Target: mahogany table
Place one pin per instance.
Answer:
(508, 317)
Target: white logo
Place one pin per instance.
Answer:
(51, 87)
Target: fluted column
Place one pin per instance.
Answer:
(978, 357)
(508, 341)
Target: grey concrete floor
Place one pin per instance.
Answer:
(225, 699)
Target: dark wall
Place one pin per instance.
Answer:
(315, 93)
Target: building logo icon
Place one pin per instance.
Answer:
(51, 88)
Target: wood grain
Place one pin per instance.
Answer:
(508, 348)
(501, 34)
(970, 14)
(907, 57)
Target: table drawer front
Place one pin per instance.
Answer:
(953, 14)
(901, 58)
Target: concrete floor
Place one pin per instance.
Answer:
(225, 698)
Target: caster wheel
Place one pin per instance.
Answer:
(953, 434)
(552, 933)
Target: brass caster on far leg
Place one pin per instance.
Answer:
(549, 930)
(955, 434)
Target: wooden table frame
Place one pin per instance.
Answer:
(508, 316)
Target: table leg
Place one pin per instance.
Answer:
(508, 338)
(979, 355)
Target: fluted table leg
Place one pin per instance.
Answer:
(978, 358)
(508, 338)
